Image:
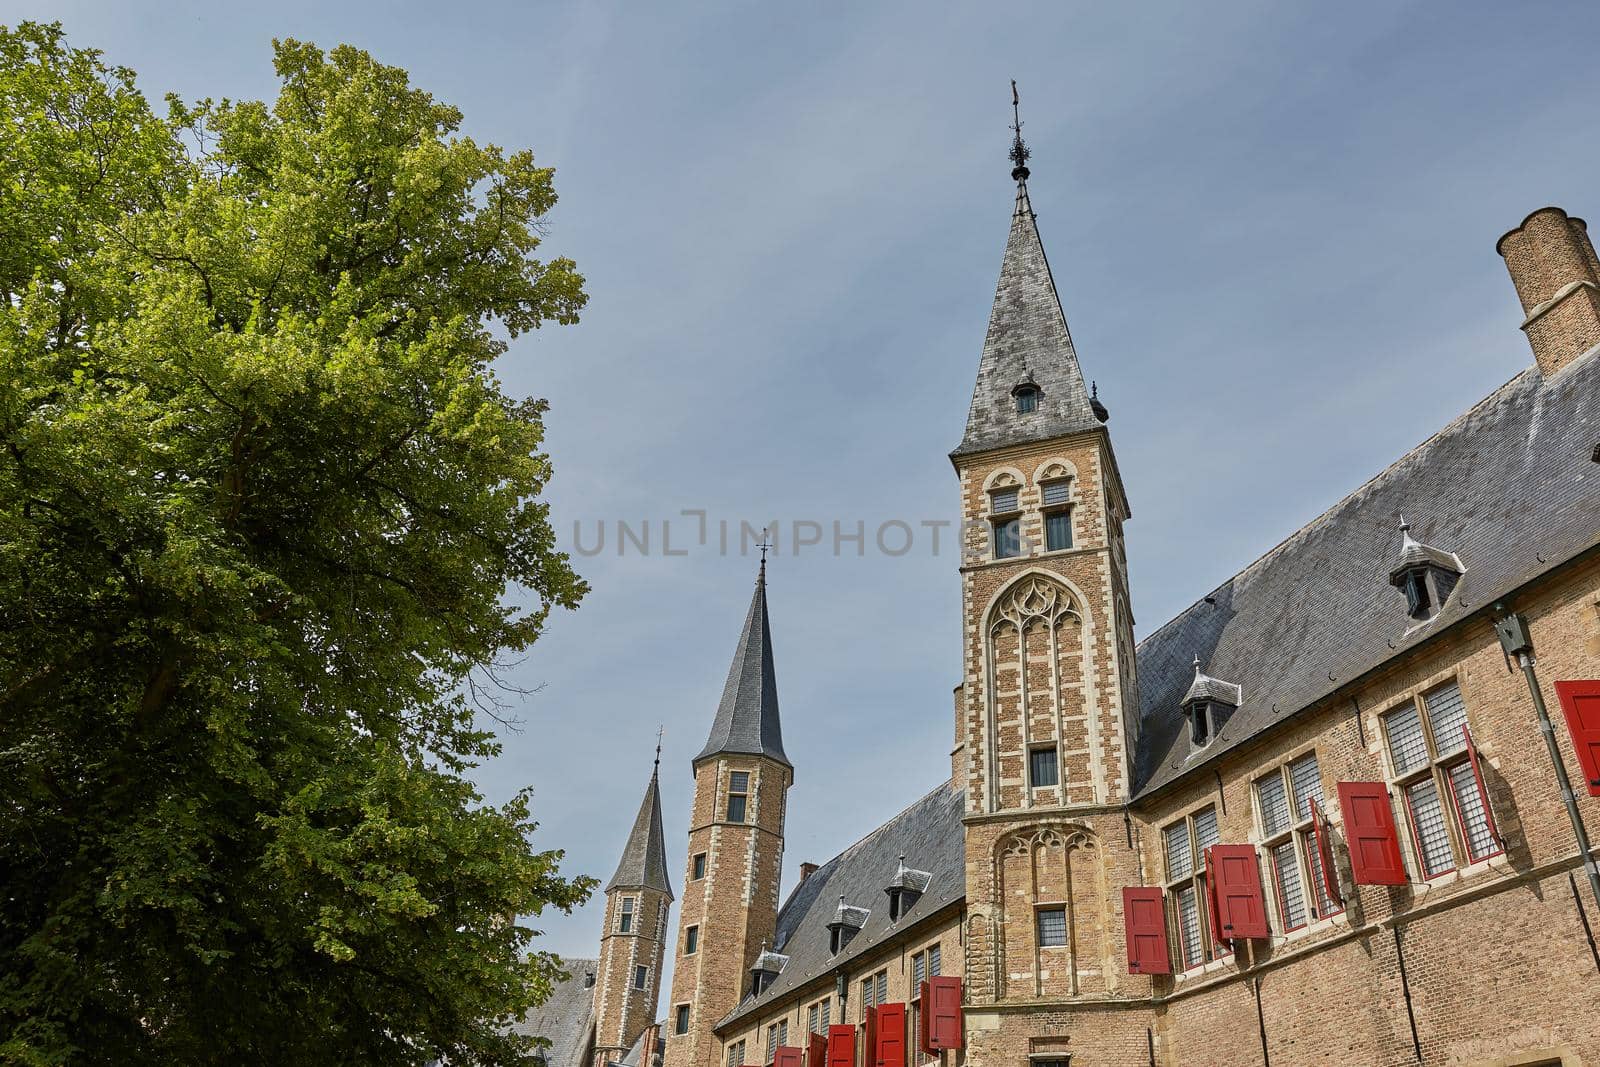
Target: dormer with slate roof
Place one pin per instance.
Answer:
(1426, 575)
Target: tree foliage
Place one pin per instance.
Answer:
(261, 498)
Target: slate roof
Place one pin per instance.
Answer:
(566, 1020)
(1027, 336)
(644, 859)
(747, 718)
(928, 834)
(1205, 687)
(1414, 552)
(1510, 486)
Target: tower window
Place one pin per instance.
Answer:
(641, 977)
(1052, 927)
(680, 1022)
(738, 793)
(697, 867)
(1006, 516)
(1042, 768)
(625, 915)
(1027, 400)
(691, 941)
(1057, 502)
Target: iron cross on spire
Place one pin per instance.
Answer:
(659, 731)
(1019, 147)
(763, 546)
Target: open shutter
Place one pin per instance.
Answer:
(1144, 920)
(1211, 897)
(788, 1056)
(1483, 791)
(841, 1046)
(869, 1038)
(1241, 906)
(942, 1005)
(1581, 703)
(1324, 836)
(923, 1015)
(891, 1035)
(1370, 835)
(816, 1051)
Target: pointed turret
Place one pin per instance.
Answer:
(644, 860)
(747, 719)
(1027, 349)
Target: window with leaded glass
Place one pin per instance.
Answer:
(1052, 927)
(1287, 829)
(738, 794)
(874, 991)
(1434, 767)
(1056, 502)
(625, 914)
(1005, 516)
(641, 977)
(1184, 844)
(735, 1054)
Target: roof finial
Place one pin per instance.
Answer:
(1019, 147)
(761, 578)
(1405, 527)
(1197, 664)
(659, 731)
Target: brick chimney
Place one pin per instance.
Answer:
(1553, 266)
(807, 870)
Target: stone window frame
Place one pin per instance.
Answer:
(736, 1053)
(691, 939)
(1191, 881)
(641, 976)
(627, 908)
(819, 1016)
(1052, 749)
(1298, 832)
(743, 796)
(1001, 520)
(680, 1019)
(1439, 769)
(697, 866)
(777, 1037)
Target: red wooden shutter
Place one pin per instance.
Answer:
(1581, 703)
(1144, 920)
(891, 1035)
(1370, 835)
(942, 1006)
(1241, 907)
(1211, 896)
(923, 1014)
(841, 1046)
(788, 1056)
(869, 1038)
(816, 1051)
(1483, 791)
(1324, 835)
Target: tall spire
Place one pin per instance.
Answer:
(1028, 344)
(747, 718)
(644, 858)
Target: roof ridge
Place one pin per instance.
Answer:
(1276, 549)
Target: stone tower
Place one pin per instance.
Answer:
(730, 906)
(632, 948)
(1047, 703)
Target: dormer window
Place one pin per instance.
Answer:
(847, 922)
(905, 889)
(1426, 575)
(1207, 704)
(1026, 394)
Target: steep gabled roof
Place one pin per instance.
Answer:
(566, 1019)
(928, 834)
(644, 859)
(747, 718)
(1511, 486)
(1027, 341)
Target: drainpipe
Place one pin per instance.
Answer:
(1512, 629)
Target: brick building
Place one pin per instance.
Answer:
(1320, 817)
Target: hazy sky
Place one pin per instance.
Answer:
(1272, 226)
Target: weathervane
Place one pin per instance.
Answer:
(1019, 147)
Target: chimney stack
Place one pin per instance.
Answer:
(807, 870)
(1553, 266)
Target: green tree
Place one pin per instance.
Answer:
(261, 501)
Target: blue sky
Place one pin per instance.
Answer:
(1272, 226)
